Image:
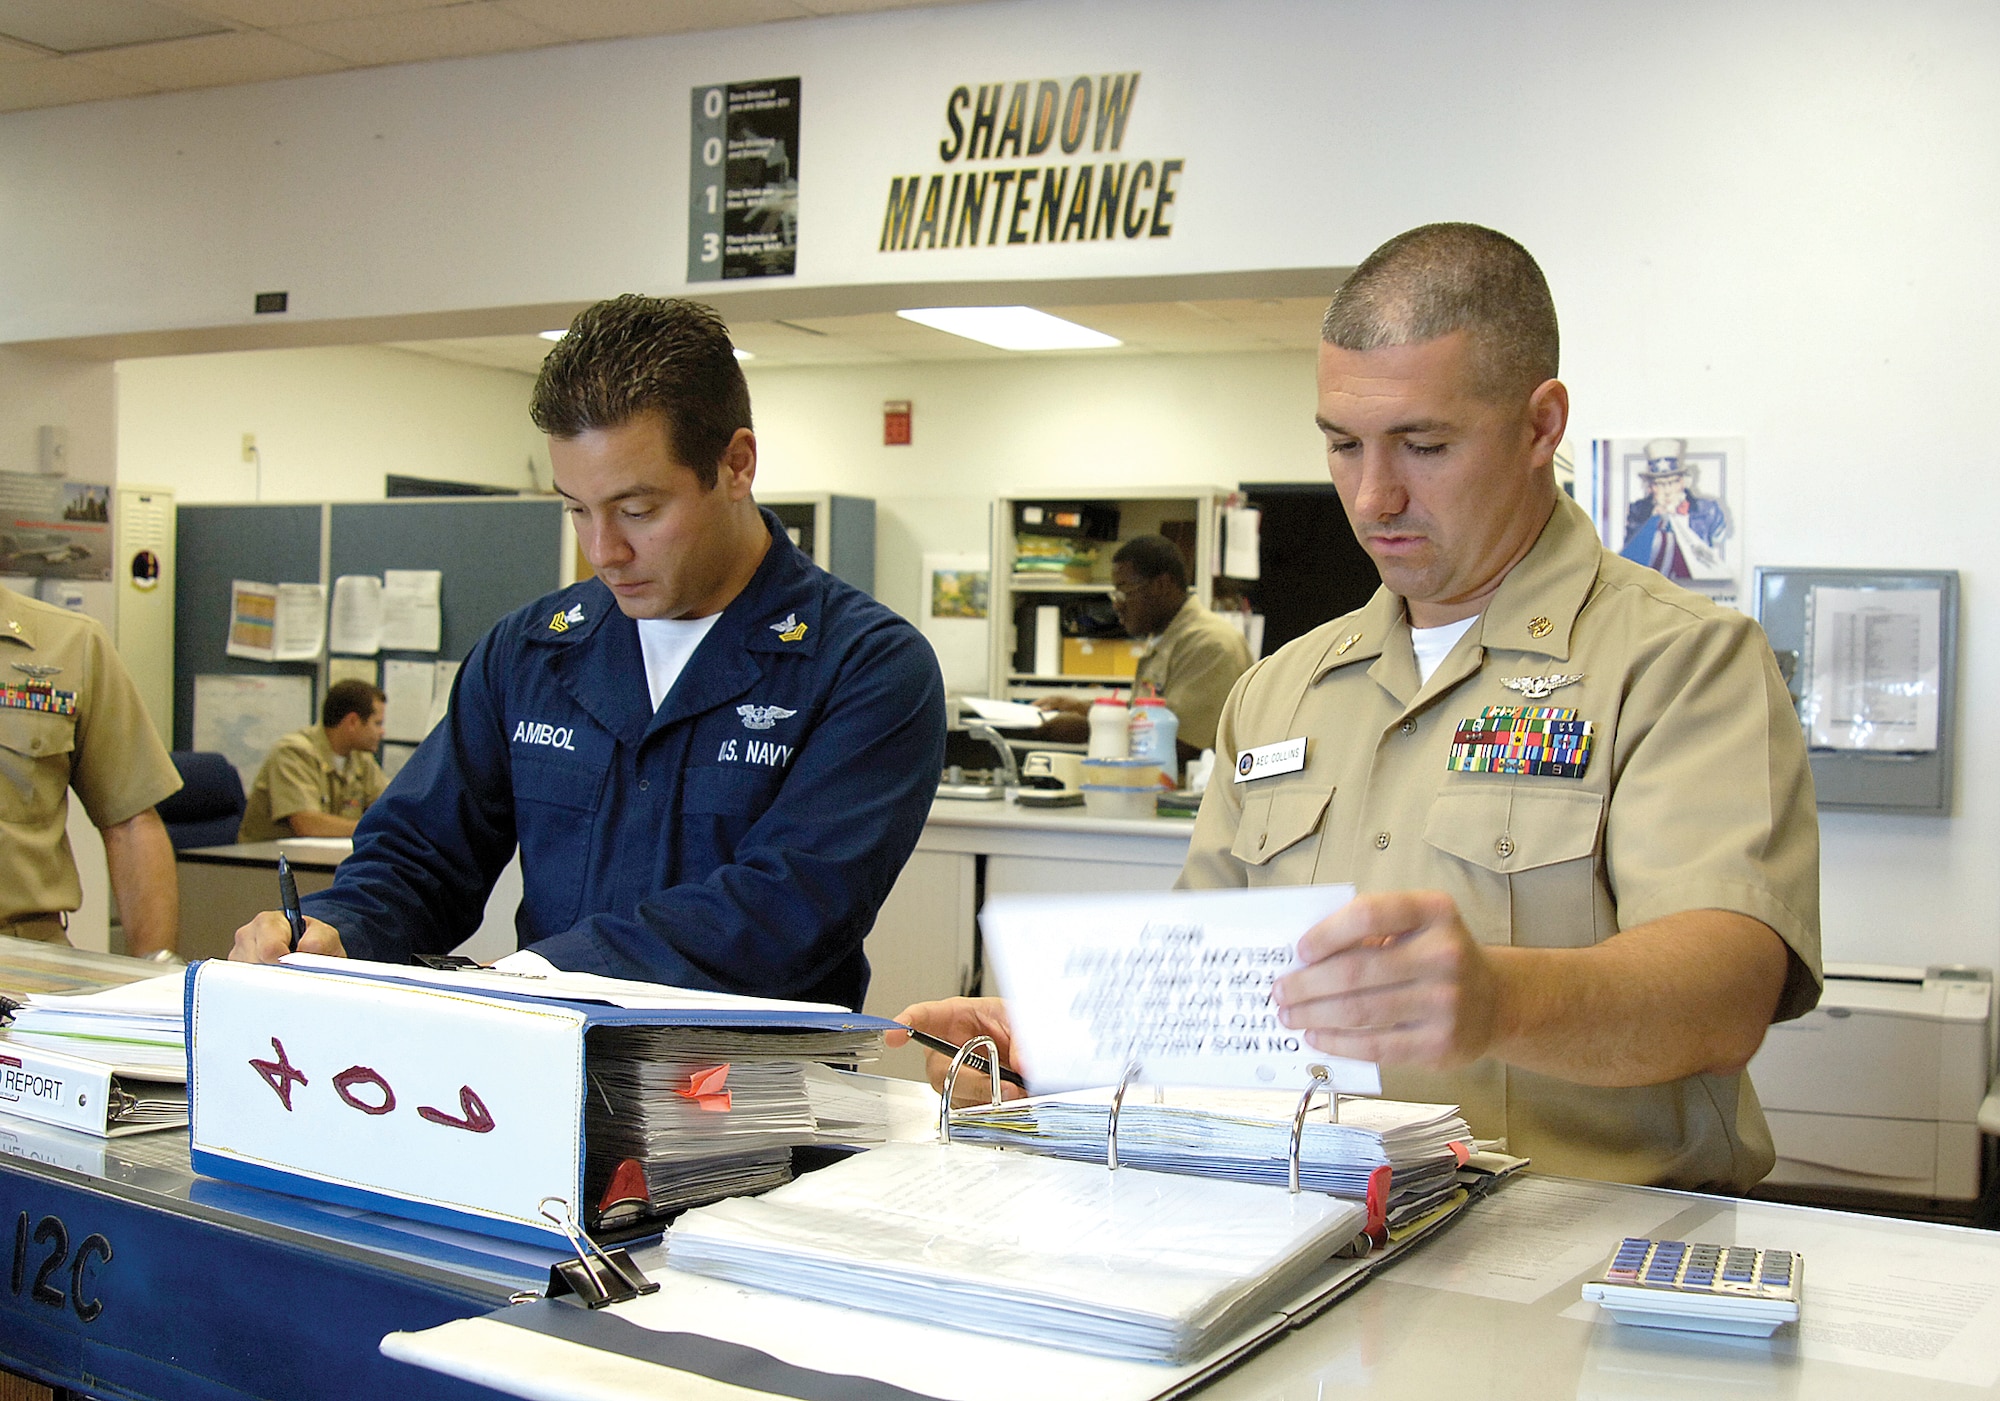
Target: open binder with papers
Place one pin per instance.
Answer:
(477, 1099)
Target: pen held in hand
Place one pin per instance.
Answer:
(288, 901)
(978, 1063)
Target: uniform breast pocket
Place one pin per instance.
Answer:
(555, 814)
(1529, 854)
(35, 749)
(1272, 836)
(730, 790)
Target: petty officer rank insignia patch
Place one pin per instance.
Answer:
(37, 696)
(789, 630)
(563, 622)
(1545, 741)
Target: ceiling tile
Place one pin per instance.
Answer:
(52, 82)
(617, 19)
(11, 52)
(447, 31)
(275, 14)
(214, 60)
(855, 7)
(67, 26)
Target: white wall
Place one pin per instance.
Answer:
(1770, 219)
(330, 423)
(1055, 424)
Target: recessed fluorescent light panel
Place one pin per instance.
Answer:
(555, 335)
(1010, 327)
(742, 354)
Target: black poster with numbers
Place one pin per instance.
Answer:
(743, 210)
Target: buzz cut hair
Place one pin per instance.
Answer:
(1443, 278)
(634, 355)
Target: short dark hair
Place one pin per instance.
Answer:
(350, 697)
(1442, 278)
(635, 355)
(1153, 555)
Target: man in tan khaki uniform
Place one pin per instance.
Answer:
(1194, 657)
(71, 718)
(317, 782)
(1574, 796)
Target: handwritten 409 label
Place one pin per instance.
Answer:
(362, 1088)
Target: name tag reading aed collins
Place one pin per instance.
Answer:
(1269, 760)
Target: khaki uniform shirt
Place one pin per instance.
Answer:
(1192, 664)
(302, 774)
(70, 717)
(1695, 795)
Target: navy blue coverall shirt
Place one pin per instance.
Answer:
(740, 838)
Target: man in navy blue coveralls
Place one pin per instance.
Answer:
(715, 756)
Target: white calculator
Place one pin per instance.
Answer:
(1702, 1288)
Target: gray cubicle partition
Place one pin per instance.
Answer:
(214, 545)
(495, 553)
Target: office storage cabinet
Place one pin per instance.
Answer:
(1051, 581)
(837, 532)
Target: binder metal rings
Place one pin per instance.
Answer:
(969, 1049)
(1322, 1079)
(1132, 1071)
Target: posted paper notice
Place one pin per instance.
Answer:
(1178, 982)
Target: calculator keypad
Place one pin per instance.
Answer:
(1704, 1269)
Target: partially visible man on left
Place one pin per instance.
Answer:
(70, 718)
(714, 757)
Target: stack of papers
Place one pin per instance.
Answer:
(1131, 1263)
(705, 1112)
(137, 1025)
(1243, 1135)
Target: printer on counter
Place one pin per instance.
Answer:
(1879, 1088)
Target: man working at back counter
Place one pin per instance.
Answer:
(1574, 796)
(1194, 656)
(715, 756)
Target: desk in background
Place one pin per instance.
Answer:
(925, 942)
(225, 887)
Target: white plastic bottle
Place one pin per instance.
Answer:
(1110, 736)
(1152, 733)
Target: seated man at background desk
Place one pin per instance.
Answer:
(1574, 796)
(317, 782)
(1192, 659)
(715, 757)
(70, 718)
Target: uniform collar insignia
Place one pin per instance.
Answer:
(1345, 643)
(563, 622)
(35, 671)
(790, 629)
(1539, 687)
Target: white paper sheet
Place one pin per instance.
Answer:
(1538, 1234)
(409, 687)
(1004, 714)
(1240, 528)
(412, 620)
(443, 674)
(276, 622)
(242, 717)
(339, 669)
(357, 615)
(1179, 981)
(1874, 670)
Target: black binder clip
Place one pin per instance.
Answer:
(597, 1277)
(965, 1053)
